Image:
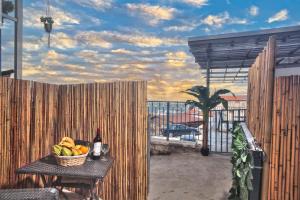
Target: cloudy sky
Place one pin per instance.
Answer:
(106, 40)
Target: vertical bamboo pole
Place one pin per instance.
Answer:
(268, 120)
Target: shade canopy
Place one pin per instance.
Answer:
(228, 56)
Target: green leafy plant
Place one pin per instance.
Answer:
(206, 102)
(242, 164)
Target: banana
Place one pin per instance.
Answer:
(66, 152)
(80, 152)
(75, 152)
(56, 149)
(68, 140)
(66, 144)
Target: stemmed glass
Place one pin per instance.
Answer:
(105, 150)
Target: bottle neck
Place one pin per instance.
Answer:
(98, 132)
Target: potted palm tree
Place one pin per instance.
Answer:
(206, 102)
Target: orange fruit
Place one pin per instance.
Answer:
(84, 149)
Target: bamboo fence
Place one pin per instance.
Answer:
(284, 169)
(273, 117)
(34, 116)
(260, 97)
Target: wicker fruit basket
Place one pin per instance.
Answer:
(70, 160)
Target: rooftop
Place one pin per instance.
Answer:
(235, 98)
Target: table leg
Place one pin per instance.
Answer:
(47, 183)
(94, 195)
(44, 180)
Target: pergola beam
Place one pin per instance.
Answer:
(243, 36)
(244, 55)
(290, 65)
(229, 81)
(221, 77)
(228, 72)
(233, 63)
(243, 47)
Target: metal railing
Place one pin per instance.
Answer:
(173, 120)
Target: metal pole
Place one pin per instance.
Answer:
(1, 20)
(168, 120)
(208, 75)
(208, 90)
(0, 47)
(18, 39)
(208, 65)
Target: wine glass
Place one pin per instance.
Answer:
(104, 150)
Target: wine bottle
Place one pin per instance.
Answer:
(97, 146)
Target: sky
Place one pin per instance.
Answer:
(108, 40)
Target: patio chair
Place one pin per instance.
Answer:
(73, 182)
(29, 194)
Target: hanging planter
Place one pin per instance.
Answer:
(7, 7)
(48, 23)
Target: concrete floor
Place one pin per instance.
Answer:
(189, 176)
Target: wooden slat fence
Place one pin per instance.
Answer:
(273, 117)
(34, 116)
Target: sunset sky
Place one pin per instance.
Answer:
(106, 40)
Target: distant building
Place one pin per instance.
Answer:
(236, 102)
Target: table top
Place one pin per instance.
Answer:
(32, 193)
(94, 169)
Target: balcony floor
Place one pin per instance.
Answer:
(190, 176)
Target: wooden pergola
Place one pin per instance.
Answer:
(227, 57)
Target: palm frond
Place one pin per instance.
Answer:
(198, 91)
(213, 104)
(195, 104)
(221, 92)
(201, 90)
(224, 103)
(216, 98)
(191, 93)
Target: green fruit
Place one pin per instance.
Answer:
(66, 152)
(56, 149)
